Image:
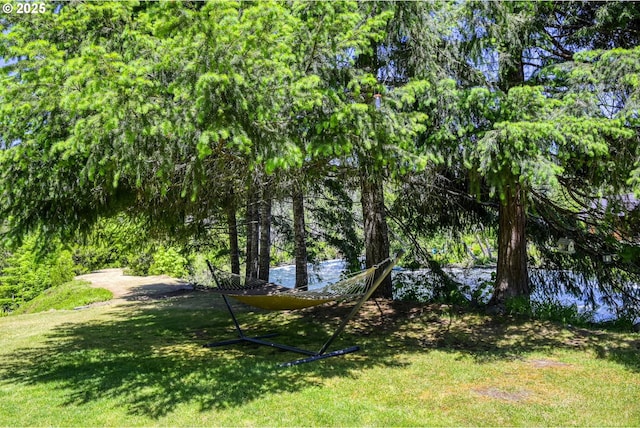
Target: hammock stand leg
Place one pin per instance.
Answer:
(312, 356)
(256, 340)
(241, 336)
(321, 353)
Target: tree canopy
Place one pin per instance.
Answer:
(522, 117)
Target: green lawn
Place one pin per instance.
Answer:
(69, 295)
(143, 364)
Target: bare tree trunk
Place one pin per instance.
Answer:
(512, 276)
(265, 233)
(252, 233)
(470, 252)
(234, 250)
(300, 240)
(376, 236)
(487, 245)
(485, 251)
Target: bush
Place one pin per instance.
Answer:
(32, 269)
(548, 310)
(552, 310)
(140, 264)
(519, 306)
(168, 261)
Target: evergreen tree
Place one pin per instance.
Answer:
(536, 138)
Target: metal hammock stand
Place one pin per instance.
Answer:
(275, 297)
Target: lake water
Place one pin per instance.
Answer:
(331, 271)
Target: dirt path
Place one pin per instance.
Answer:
(129, 288)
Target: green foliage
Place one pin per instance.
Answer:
(519, 306)
(540, 145)
(625, 322)
(69, 295)
(552, 310)
(562, 129)
(188, 100)
(167, 108)
(168, 261)
(140, 263)
(31, 269)
(549, 309)
(112, 242)
(465, 248)
(335, 215)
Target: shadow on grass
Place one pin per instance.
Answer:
(149, 355)
(488, 338)
(411, 327)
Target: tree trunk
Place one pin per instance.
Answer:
(512, 277)
(234, 250)
(252, 234)
(376, 236)
(265, 233)
(485, 251)
(487, 245)
(300, 240)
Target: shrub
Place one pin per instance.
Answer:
(553, 310)
(548, 310)
(519, 306)
(32, 269)
(168, 261)
(140, 264)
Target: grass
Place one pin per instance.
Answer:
(142, 363)
(69, 295)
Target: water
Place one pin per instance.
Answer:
(321, 274)
(330, 271)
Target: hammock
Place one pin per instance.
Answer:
(271, 296)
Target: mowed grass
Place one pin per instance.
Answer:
(143, 363)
